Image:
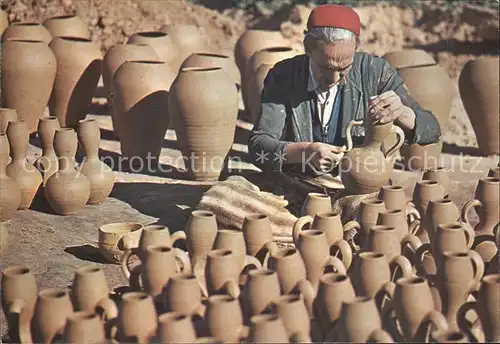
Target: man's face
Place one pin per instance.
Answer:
(331, 61)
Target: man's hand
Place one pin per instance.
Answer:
(388, 107)
(323, 157)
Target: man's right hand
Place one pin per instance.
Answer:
(323, 157)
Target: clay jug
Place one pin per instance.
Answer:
(4, 239)
(459, 274)
(479, 88)
(10, 192)
(84, 327)
(260, 291)
(183, 295)
(161, 42)
(224, 318)
(486, 307)
(67, 25)
(439, 211)
(47, 164)
(67, 191)
(19, 169)
(79, 67)
(187, 40)
(90, 289)
(387, 240)
(19, 294)
(201, 230)
(234, 240)
(417, 157)
(27, 83)
(141, 112)
(214, 60)
(394, 218)
(267, 328)
(175, 327)
(27, 31)
(137, 319)
(394, 198)
(316, 203)
(204, 151)
(7, 115)
(115, 57)
(293, 312)
(99, 175)
(367, 217)
(366, 169)
(349, 328)
(408, 58)
(441, 175)
(52, 308)
(255, 87)
(424, 192)
(116, 238)
(494, 172)
(258, 235)
(487, 204)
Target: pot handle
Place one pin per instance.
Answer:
(418, 258)
(478, 264)
(386, 291)
(348, 134)
(299, 225)
(125, 261)
(351, 230)
(342, 247)
(463, 324)
(412, 213)
(400, 140)
(107, 309)
(465, 210)
(469, 235)
(179, 235)
(182, 260)
(403, 264)
(433, 321)
(15, 308)
(379, 336)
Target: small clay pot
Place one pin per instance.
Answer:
(316, 203)
(261, 290)
(67, 25)
(183, 295)
(424, 192)
(267, 328)
(175, 327)
(290, 266)
(349, 327)
(224, 318)
(441, 175)
(116, 238)
(27, 31)
(257, 233)
(89, 287)
(368, 217)
(201, 230)
(138, 319)
(84, 327)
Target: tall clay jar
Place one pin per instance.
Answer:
(47, 164)
(79, 66)
(141, 111)
(214, 60)
(479, 88)
(408, 58)
(27, 81)
(67, 190)
(10, 193)
(161, 42)
(67, 25)
(27, 31)
(203, 105)
(187, 39)
(19, 169)
(99, 175)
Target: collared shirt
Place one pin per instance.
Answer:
(326, 98)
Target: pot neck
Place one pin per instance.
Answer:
(66, 163)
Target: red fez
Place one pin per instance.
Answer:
(337, 16)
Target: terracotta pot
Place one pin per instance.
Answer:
(224, 318)
(115, 57)
(441, 175)
(52, 308)
(255, 87)
(366, 169)
(423, 82)
(215, 110)
(417, 158)
(387, 240)
(234, 240)
(201, 230)
(316, 203)
(350, 329)
(67, 25)
(394, 198)
(10, 192)
(99, 175)
(394, 218)
(367, 217)
(67, 191)
(408, 58)
(174, 327)
(79, 67)
(84, 327)
(137, 318)
(27, 83)
(261, 290)
(257, 235)
(293, 312)
(478, 84)
(439, 211)
(19, 169)
(27, 31)
(7, 115)
(19, 295)
(187, 39)
(183, 295)
(210, 60)
(267, 328)
(47, 164)
(141, 110)
(162, 43)
(424, 192)
(89, 287)
(116, 238)
(290, 266)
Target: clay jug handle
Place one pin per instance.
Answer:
(182, 259)
(385, 292)
(306, 288)
(412, 242)
(107, 309)
(463, 324)
(198, 268)
(342, 247)
(299, 226)
(478, 264)
(403, 264)
(336, 264)
(400, 140)
(251, 260)
(179, 235)
(199, 310)
(418, 258)
(271, 248)
(126, 243)
(125, 261)
(351, 229)
(232, 289)
(16, 307)
(465, 210)
(380, 336)
(348, 134)
(469, 235)
(414, 227)
(433, 321)
(411, 212)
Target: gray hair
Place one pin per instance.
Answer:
(328, 35)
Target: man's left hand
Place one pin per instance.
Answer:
(386, 107)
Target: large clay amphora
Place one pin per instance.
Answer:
(10, 193)
(100, 175)
(214, 60)
(67, 25)
(27, 82)
(408, 58)
(141, 111)
(478, 84)
(79, 66)
(31, 31)
(161, 42)
(366, 169)
(203, 105)
(68, 190)
(19, 169)
(115, 57)
(47, 164)
(187, 39)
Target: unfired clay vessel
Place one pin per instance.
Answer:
(201, 230)
(187, 39)
(27, 31)
(201, 59)
(138, 319)
(115, 238)
(67, 25)
(441, 175)
(161, 42)
(421, 157)
(26, 82)
(408, 58)
(47, 164)
(84, 327)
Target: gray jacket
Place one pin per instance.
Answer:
(286, 111)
